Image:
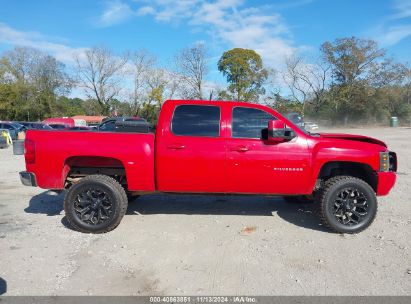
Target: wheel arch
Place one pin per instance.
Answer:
(356, 169)
(80, 166)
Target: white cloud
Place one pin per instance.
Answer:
(145, 10)
(168, 10)
(115, 12)
(231, 24)
(394, 34)
(402, 8)
(250, 28)
(14, 37)
(396, 26)
(292, 4)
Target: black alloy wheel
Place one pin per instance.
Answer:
(347, 204)
(350, 206)
(95, 204)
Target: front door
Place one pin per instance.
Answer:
(255, 166)
(191, 157)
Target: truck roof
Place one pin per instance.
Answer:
(233, 102)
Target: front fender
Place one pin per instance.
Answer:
(343, 151)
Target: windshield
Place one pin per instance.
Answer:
(41, 126)
(58, 127)
(17, 125)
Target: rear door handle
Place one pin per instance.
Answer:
(240, 149)
(176, 146)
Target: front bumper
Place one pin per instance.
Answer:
(28, 179)
(386, 181)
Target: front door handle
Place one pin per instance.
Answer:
(240, 149)
(176, 146)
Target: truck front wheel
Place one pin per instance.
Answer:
(95, 204)
(347, 204)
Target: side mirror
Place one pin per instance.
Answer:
(276, 131)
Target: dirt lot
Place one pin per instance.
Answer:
(193, 245)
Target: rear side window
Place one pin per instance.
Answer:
(8, 127)
(249, 122)
(196, 120)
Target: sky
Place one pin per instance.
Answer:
(275, 29)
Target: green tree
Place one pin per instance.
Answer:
(245, 74)
(150, 108)
(68, 107)
(8, 98)
(352, 58)
(92, 107)
(359, 68)
(285, 105)
(120, 107)
(36, 80)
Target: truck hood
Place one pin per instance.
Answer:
(361, 138)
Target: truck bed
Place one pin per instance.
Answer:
(59, 152)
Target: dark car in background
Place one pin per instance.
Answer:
(35, 125)
(13, 127)
(125, 124)
(81, 128)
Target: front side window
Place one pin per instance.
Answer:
(196, 120)
(108, 126)
(249, 122)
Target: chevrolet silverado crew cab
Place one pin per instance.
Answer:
(211, 147)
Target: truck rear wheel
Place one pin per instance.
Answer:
(347, 204)
(96, 204)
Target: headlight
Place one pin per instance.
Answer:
(384, 161)
(388, 161)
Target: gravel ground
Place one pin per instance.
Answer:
(204, 245)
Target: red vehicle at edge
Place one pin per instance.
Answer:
(211, 147)
(60, 123)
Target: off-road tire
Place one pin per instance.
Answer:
(112, 188)
(328, 194)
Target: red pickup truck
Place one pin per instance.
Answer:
(211, 147)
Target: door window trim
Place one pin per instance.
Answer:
(232, 120)
(205, 105)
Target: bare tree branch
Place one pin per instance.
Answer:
(307, 82)
(192, 65)
(99, 73)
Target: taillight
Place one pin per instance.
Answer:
(30, 151)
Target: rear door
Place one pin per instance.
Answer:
(191, 154)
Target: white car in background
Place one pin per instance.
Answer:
(310, 126)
